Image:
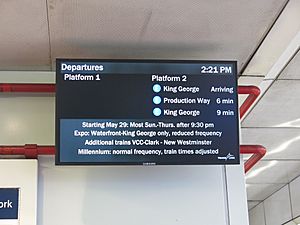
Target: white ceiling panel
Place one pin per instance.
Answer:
(277, 41)
(250, 80)
(278, 208)
(160, 29)
(259, 192)
(279, 107)
(295, 196)
(252, 204)
(257, 215)
(286, 145)
(273, 172)
(24, 39)
(292, 70)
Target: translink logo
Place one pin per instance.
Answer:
(228, 157)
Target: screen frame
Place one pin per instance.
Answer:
(57, 120)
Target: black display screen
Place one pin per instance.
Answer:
(146, 112)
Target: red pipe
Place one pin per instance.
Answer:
(253, 92)
(258, 152)
(48, 88)
(32, 150)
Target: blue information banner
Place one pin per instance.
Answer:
(9, 203)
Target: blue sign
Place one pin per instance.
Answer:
(9, 203)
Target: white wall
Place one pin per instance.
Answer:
(134, 195)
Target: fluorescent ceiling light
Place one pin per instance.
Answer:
(292, 123)
(283, 146)
(257, 171)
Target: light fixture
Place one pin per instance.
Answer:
(257, 171)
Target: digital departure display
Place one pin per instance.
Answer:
(146, 112)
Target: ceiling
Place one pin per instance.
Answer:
(34, 33)
(260, 35)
